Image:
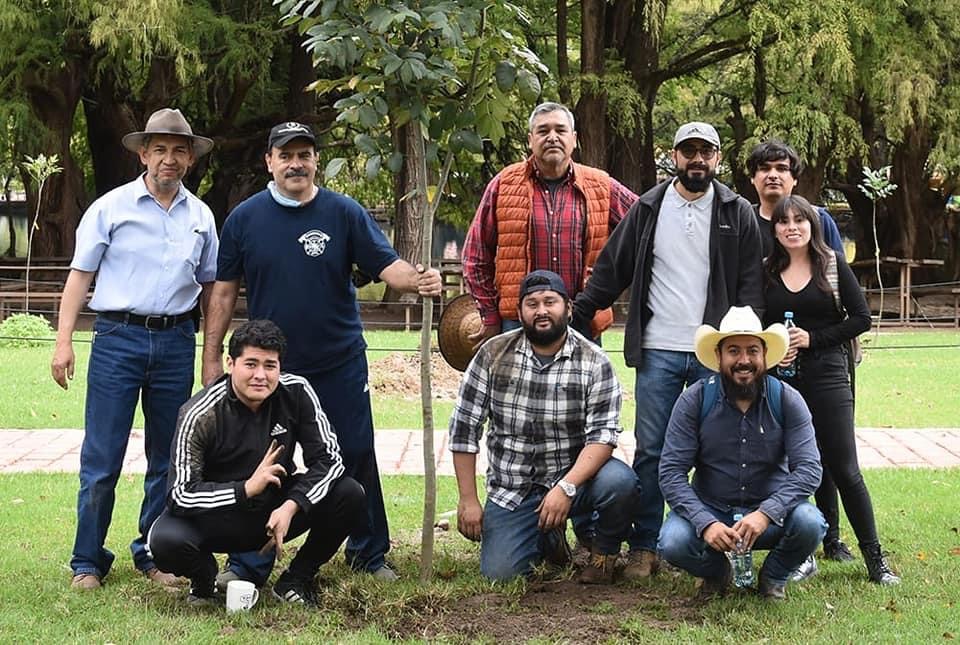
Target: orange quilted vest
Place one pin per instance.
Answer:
(514, 206)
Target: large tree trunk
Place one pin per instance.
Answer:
(409, 203)
(110, 115)
(592, 108)
(53, 95)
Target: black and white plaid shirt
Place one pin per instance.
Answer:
(541, 416)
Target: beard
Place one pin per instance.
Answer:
(696, 184)
(543, 337)
(741, 391)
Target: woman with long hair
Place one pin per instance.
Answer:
(804, 275)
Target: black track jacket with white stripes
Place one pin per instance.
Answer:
(220, 442)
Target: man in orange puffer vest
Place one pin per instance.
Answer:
(543, 213)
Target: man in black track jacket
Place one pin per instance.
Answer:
(231, 485)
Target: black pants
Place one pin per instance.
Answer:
(823, 378)
(185, 545)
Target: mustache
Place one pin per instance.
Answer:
(298, 172)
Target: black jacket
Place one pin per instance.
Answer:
(627, 260)
(220, 442)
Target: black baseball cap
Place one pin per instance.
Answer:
(284, 133)
(542, 280)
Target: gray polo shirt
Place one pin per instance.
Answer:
(681, 271)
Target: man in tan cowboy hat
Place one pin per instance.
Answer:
(152, 246)
(751, 441)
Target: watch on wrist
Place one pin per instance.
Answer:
(570, 490)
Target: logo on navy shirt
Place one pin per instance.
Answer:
(314, 242)
(277, 430)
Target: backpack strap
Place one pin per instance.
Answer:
(833, 279)
(711, 396)
(775, 398)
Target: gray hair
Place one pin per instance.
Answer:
(546, 108)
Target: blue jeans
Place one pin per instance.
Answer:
(345, 399)
(789, 545)
(128, 362)
(660, 381)
(512, 544)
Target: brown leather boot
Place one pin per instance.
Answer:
(600, 569)
(641, 564)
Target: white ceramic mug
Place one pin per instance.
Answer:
(241, 596)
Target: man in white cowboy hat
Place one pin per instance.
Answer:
(751, 441)
(152, 246)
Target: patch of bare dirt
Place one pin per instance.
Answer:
(399, 375)
(562, 610)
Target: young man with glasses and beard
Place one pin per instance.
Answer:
(688, 249)
(551, 403)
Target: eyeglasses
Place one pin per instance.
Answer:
(691, 151)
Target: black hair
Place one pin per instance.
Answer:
(262, 334)
(774, 150)
(779, 259)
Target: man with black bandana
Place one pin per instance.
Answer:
(689, 249)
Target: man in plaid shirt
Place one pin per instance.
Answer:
(553, 405)
(543, 213)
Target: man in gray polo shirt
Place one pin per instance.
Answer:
(688, 249)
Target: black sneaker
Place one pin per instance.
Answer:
(291, 589)
(202, 595)
(837, 551)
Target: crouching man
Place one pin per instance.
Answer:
(232, 485)
(751, 441)
(553, 405)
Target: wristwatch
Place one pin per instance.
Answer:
(570, 490)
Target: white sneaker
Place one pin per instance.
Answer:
(806, 570)
(385, 573)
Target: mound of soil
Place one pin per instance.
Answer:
(399, 375)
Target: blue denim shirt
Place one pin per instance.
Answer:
(741, 460)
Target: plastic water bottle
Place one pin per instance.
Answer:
(742, 563)
(790, 370)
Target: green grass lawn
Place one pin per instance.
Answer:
(907, 380)
(916, 514)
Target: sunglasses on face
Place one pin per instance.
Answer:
(691, 151)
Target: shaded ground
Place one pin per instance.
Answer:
(560, 610)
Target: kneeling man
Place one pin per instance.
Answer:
(553, 405)
(751, 441)
(232, 485)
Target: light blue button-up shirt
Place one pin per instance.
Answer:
(148, 260)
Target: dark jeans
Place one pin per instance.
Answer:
(345, 398)
(823, 380)
(512, 543)
(789, 545)
(127, 363)
(185, 545)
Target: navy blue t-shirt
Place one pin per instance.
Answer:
(296, 263)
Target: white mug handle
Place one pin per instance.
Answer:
(256, 597)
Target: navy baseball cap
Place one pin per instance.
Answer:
(542, 280)
(284, 133)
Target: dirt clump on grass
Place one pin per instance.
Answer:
(561, 610)
(399, 375)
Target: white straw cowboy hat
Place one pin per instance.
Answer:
(167, 121)
(740, 321)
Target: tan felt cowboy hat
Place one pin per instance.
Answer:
(740, 321)
(460, 318)
(167, 121)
